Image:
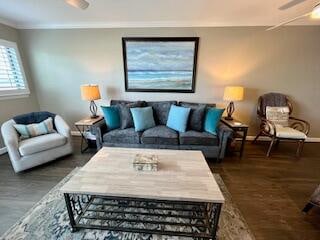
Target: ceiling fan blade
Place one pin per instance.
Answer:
(82, 4)
(291, 4)
(287, 22)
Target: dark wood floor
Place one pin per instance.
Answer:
(270, 192)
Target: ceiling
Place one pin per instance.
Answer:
(150, 13)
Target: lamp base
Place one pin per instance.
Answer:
(230, 110)
(93, 109)
(228, 118)
(93, 117)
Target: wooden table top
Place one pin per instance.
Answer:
(181, 175)
(234, 123)
(88, 121)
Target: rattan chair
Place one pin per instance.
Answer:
(297, 131)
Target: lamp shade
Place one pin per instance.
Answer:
(90, 92)
(233, 93)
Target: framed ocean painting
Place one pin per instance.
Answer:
(160, 64)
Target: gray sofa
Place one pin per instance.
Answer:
(31, 152)
(162, 137)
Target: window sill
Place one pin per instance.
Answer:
(14, 96)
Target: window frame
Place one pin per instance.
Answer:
(17, 93)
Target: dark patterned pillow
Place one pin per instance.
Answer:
(126, 120)
(161, 110)
(196, 117)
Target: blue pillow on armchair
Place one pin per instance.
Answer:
(178, 118)
(111, 116)
(212, 120)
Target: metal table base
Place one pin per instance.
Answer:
(197, 220)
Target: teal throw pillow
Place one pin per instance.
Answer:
(111, 117)
(212, 120)
(178, 118)
(142, 118)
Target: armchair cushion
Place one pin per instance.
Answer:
(278, 115)
(35, 129)
(33, 117)
(41, 143)
(288, 132)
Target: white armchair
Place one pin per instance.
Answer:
(31, 152)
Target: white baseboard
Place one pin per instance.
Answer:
(249, 138)
(263, 138)
(3, 150)
(75, 133)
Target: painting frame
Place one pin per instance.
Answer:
(126, 40)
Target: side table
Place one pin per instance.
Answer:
(240, 130)
(85, 125)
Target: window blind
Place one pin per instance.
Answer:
(12, 78)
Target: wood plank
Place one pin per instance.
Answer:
(88, 121)
(270, 192)
(181, 176)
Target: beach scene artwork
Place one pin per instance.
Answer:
(160, 65)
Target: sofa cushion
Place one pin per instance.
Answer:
(197, 138)
(125, 114)
(161, 135)
(161, 111)
(197, 112)
(41, 143)
(128, 135)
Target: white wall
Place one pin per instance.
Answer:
(285, 60)
(12, 107)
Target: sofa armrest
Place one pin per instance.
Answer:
(100, 128)
(62, 127)
(11, 140)
(224, 134)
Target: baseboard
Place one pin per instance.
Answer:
(3, 150)
(75, 133)
(263, 138)
(249, 138)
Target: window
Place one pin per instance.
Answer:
(12, 78)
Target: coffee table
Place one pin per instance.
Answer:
(182, 198)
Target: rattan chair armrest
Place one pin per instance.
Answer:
(267, 126)
(300, 125)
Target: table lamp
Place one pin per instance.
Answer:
(232, 93)
(91, 93)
